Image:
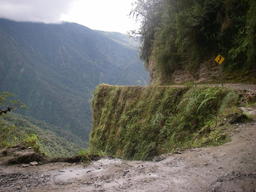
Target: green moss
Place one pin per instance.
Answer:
(142, 122)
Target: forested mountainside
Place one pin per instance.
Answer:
(21, 130)
(183, 37)
(53, 69)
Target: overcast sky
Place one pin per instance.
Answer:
(107, 15)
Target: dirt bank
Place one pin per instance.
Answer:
(231, 167)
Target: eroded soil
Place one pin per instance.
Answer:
(230, 167)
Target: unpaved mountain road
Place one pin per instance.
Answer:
(235, 86)
(248, 87)
(227, 168)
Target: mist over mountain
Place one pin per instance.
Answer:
(53, 69)
(131, 42)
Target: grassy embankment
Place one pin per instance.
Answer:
(142, 122)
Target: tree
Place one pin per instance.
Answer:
(7, 104)
(148, 12)
(183, 34)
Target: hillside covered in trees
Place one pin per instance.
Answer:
(19, 130)
(54, 68)
(184, 37)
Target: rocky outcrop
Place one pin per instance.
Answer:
(208, 72)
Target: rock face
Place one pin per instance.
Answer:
(182, 76)
(207, 72)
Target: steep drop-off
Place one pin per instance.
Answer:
(20, 130)
(54, 68)
(143, 122)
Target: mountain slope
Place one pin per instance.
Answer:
(53, 69)
(17, 129)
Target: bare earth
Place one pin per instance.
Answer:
(235, 86)
(230, 167)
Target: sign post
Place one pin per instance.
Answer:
(220, 59)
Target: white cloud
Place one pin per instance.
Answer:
(34, 10)
(110, 15)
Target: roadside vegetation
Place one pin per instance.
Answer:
(182, 35)
(143, 122)
(20, 130)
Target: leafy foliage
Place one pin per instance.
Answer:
(32, 141)
(183, 34)
(7, 104)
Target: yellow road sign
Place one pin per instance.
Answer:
(219, 59)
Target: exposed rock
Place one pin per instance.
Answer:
(34, 163)
(181, 76)
(208, 71)
(249, 111)
(25, 165)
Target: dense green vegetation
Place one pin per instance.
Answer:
(142, 122)
(182, 34)
(53, 69)
(18, 130)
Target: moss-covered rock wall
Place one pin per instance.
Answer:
(142, 122)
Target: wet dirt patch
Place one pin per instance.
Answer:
(21, 182)
(235, 181)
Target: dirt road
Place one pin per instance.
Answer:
(235, 86)
(231, 167)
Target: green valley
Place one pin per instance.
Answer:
(20, 130)
(53, 69)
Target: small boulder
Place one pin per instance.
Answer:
(25, 165)
(34, 163)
